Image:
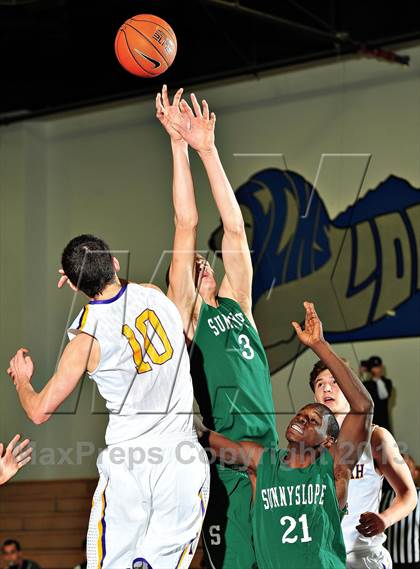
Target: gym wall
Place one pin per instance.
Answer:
(107, 171)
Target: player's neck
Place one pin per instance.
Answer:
(299, 457)
(210, 299)
(341, 416)
(109, 291)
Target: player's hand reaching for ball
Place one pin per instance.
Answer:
(21, 367)
(312, 333)
(170, 115)
(198, 130)
(15, 456)
(370, 524)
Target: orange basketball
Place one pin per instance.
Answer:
(145, 45)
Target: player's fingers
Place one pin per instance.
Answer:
(165, 97)
(196, 106)
(366, 516)
(185, 108)
(213, 119)
(159, 107)
(22, 456)
(12, 443)
(205, 109)
(62, 281)
(20, 356)
(313, 311)
(297, 328)
(177, 97)
(1, 449)
(21, 447)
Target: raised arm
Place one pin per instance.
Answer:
(73, 363)
(355, 430)
(181, 273)
(199, 133)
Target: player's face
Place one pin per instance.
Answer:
(328, 393)
(308, 427)
(204, 277)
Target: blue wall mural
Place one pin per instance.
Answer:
(361, 268)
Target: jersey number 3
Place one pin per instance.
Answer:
(247, 351)
(149, 349)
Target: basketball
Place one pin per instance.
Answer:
(145, 45)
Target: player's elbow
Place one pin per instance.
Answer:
(364, 406)
(38, 418)
(186, 220)
(234, 227)
(411, 498)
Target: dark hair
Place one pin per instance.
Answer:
(333, 427)
(319, 366)
(374, 361)
(11, 542)
(87, 262)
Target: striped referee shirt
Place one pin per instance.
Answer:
(403, 541)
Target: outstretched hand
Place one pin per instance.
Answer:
(170, 115)
(197, 128)
(15, 456)
(312, 333)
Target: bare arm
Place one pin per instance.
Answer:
(181, 274)
(243, 453)
(391, 464)
(235, 251)
(73, 363)
(355, 430)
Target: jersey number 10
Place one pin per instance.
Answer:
(149, 349)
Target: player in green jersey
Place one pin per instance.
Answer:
(300, 492)
(229, 367)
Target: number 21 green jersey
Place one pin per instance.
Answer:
(296, 520)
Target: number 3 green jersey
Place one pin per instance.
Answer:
(296, 519)
(231, 376)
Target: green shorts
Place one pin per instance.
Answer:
(227, 529)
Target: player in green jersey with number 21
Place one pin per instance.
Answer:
(300, 492)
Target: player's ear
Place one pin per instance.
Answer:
(72, 286)
(116, 264)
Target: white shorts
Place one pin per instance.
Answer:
(149, 505)
(377, 558)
